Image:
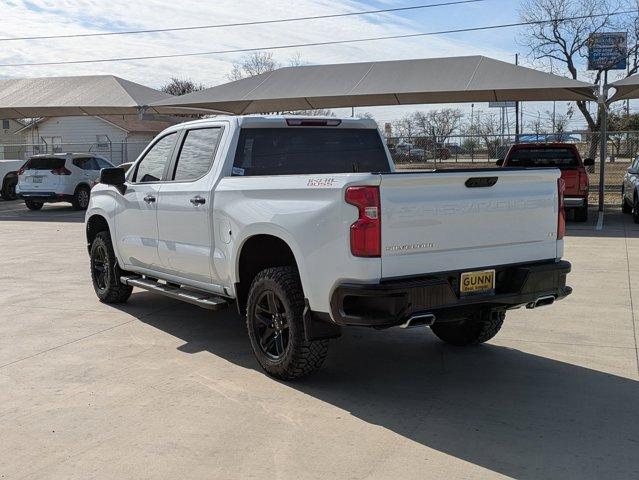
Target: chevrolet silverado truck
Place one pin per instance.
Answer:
(565, 157)
(304, 225)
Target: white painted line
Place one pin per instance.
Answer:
(600, 221)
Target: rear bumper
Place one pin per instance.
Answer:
(393, 302)
(575, 202)
(44, 196)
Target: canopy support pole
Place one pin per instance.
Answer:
(603, 138)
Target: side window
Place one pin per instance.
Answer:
(151, 167)
(84, 163)
(197, 153)
(91, 164)
(102, 163)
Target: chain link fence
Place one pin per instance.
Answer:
(418, 153)
(483, 151)
(116, 153)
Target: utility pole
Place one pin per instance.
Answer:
(554, 106)
(472, 117)
(516, 108)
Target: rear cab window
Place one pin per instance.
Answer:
(299, 151)
(44, 163)
(552, 157)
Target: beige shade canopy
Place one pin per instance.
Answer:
(400, 82)
(626, 89)
(83, 95)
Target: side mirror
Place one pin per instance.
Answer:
(589, 162)
(113, 176)
(500, 162)
(632, 171)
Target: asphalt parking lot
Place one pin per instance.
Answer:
(161, 389)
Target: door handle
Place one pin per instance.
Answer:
(149, 199)
(197, 200)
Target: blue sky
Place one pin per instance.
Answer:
(21, 17)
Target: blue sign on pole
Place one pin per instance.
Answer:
(608, 51)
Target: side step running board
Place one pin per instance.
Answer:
(201, 299)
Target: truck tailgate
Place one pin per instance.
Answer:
(441, 221)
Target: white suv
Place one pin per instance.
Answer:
(60, 177)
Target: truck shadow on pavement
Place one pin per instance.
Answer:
(16, 211)
(515, 413)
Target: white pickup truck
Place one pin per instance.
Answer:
(305, 225)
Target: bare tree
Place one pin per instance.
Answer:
(439, 125)
(565, 42)
(537, 126)
(559, 122)
(262, 62)
(253, 64)
(405, 126)
(181, 86)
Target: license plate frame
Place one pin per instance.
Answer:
(477, 282)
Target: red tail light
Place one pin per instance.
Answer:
(61, 171)
(21, 171)
(366, 232)
(561, 215)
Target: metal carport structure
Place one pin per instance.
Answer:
(398, 82)
(626, 89)
(81, 95)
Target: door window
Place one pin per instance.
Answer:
(197, 153)
(151, 167)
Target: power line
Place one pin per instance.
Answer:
(243, 24)
(314, 44)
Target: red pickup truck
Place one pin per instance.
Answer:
(566, 158)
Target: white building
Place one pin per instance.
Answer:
(120, 138)
(10, 139)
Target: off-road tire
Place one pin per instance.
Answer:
(301, 356)
(470, 331)
(80, 200)
(110, 289)
(33, 205)
(8, 191)
(581, 214)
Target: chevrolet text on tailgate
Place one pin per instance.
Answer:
(306, 227)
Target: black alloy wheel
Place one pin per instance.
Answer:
(100, 267)
(270, 325)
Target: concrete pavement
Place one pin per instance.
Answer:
(159, 389)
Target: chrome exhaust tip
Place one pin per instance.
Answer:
(418, 320)
(542, 302)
